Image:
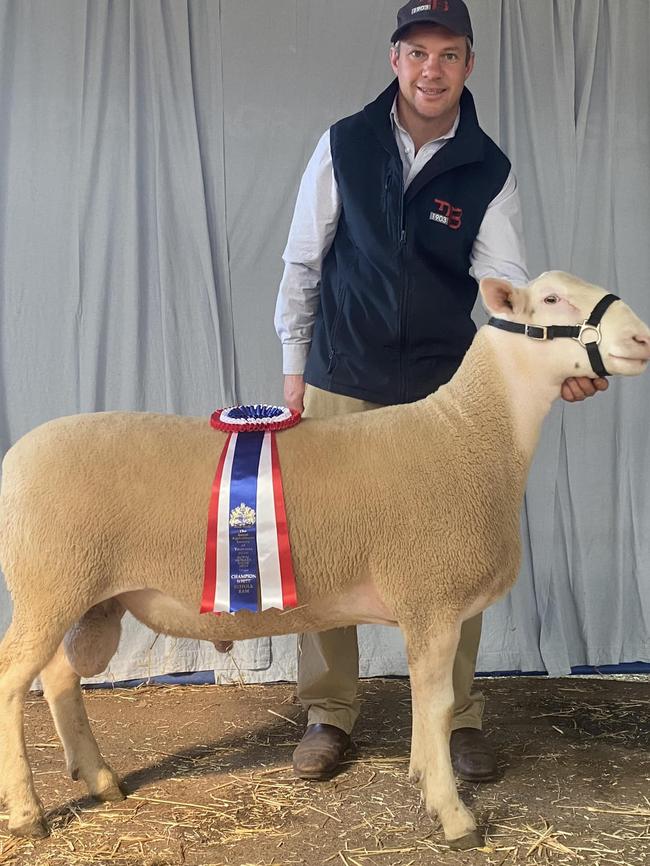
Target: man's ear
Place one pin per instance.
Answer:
(500, 297)
(469, 66)
(394, 58)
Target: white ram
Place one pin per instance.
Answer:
(407, 515)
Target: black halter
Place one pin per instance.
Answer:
(577, 332)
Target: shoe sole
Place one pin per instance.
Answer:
(492, 777)
(315, 777)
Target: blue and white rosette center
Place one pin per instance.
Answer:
(260, 414)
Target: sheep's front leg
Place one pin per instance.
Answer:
(83, 758)
(430, 670)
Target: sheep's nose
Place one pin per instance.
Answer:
(643, 339)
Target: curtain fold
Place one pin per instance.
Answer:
(114, 275)
(590, 189)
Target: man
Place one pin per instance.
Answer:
(397, 205)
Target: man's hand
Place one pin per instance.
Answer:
(576, 389)
(223, 646)
(294, 392)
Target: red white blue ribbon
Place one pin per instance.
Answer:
(248, 558)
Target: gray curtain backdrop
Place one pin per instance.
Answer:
(150, 154)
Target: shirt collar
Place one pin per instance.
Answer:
(395, 123)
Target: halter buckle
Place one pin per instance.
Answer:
(585, 327)
(542, 328)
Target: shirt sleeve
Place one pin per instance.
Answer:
(498, 249)
(312, 231)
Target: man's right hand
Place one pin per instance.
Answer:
(294, 392)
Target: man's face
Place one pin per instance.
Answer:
(432, 67)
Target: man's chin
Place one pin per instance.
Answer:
(433, 112)
(432, 105)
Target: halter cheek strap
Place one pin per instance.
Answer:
(589, 328)
(593, 324)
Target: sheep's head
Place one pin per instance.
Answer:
(559, 299)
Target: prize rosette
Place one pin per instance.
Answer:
(247, 554)
(259, 416)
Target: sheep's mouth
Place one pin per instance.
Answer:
(626, 359)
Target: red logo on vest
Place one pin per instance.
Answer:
(447, 214)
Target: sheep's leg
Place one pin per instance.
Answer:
(22, 656)
(433, 699)
(83, 758)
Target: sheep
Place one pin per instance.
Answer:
(406, 516)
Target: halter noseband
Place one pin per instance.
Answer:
(576, 332)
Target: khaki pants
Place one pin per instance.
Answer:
(328, 662)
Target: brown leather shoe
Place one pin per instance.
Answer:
(472, 757)
(319, 753)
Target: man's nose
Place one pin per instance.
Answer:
(432, 67)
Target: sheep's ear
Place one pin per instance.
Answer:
(499, 296)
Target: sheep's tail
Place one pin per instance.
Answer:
(92, 642)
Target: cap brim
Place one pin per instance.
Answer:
(399, 33)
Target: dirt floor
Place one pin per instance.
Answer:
(209, 776)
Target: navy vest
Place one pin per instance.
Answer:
(394, 318)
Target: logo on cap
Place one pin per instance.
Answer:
(433, 6)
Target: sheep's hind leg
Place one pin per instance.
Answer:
(83, 758)
(433, 698)
(22, 656)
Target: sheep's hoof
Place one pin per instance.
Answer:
(414, 776)
(113, 794)
(34, 829)
(464, 843)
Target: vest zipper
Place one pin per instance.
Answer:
(331, 357)
(386, 202)
(403, 304)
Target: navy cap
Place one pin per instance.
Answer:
(451, 14)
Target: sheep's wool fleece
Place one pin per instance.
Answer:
(419, 502)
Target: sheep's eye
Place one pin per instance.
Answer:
(551, 299)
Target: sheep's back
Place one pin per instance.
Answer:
(107, 492)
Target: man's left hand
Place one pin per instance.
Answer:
(578, 387)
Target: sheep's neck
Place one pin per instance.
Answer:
(505, 374)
